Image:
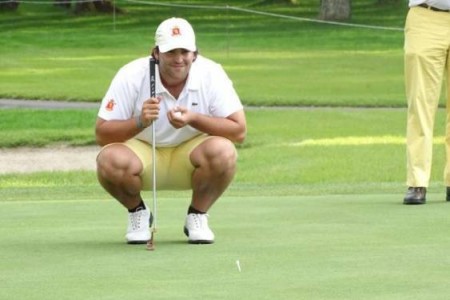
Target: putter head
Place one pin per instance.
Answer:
(150, 246)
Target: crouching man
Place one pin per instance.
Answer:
(198, 117)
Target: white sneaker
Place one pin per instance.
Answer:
(138, 231)
(197, 230)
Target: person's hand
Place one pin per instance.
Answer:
(150, 111)
(178, 116)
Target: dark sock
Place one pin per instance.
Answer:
(192, 210)
(140, 206)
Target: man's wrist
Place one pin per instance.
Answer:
(139, 123)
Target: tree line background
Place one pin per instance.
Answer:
(331, 10)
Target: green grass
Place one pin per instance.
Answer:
(314, 213)
(307, 150)
(321, 247)
(29, 127)
(48, 53)
(315, 209)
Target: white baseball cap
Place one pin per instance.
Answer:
(175, 33)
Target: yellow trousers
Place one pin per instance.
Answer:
(427, 59)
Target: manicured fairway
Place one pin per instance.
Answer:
(292, 247)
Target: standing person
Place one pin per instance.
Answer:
(197, 117)
(427, 51)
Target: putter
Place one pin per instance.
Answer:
(150, 243)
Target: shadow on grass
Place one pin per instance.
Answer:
(111, 245)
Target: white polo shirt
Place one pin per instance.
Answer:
(208, 91)
(441, 4)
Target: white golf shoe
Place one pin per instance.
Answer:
(138, 231)
(197, 230)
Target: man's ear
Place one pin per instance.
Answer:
(155, 54)
(195, 55)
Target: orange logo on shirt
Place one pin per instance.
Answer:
(110, 105)
(176, 31)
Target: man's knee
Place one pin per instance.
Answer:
(228, 153)
(219, 153)
(117, 158)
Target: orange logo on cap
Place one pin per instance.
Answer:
(110, 105)
(176, 31)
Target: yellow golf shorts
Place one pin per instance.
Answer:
(173, 165)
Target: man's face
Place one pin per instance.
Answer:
(174, 65)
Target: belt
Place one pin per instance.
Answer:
(433, 8)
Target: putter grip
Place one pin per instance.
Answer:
(152, 77)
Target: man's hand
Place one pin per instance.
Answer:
(179, 116)
(150, 111)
